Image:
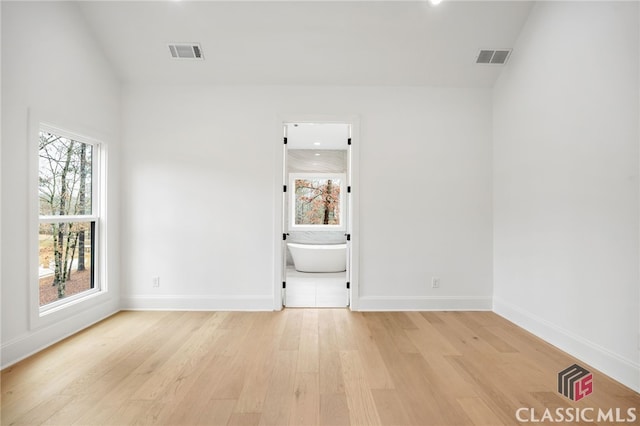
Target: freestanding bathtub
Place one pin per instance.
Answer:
(319, 258)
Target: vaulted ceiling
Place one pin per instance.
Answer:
(307, 42)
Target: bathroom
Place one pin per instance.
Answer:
(317, 215)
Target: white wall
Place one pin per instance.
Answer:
(566, 137)
(52, 67)
(199, 199)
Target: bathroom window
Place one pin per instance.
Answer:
(68, 218)
(317, 201)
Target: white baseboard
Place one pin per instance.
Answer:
(422, 303)
(197, 303)
(24, 346)
(621, 369)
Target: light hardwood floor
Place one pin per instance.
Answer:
(296, 367)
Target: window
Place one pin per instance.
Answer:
(317, 201)
(68, 217)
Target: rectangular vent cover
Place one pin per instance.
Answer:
(495, 57)
(185, 51)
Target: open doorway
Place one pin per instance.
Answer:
(317, 219)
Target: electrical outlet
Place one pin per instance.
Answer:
(435, 282)
(156, 282)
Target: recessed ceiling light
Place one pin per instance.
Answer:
(317, 154)
(435, 2)
(317, 143)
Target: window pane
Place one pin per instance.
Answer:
(317, 201)
(65, 176)
(65, 259)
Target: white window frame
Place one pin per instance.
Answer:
(292, 201)
(74, 304)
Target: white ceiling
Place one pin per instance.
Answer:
(317, 136)
(307, 42)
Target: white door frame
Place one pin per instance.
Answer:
(353, 198)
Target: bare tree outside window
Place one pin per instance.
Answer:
(65, 182)
(317, 201)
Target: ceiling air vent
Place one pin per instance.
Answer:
(185, 51)
(495, 57)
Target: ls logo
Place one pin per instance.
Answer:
(575, 382)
